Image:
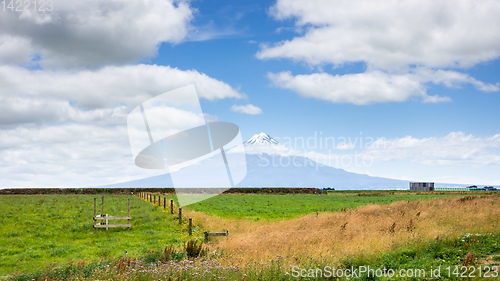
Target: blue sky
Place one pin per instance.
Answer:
(418, 79)
(232, 59)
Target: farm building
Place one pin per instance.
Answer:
(421, 186)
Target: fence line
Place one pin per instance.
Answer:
(151, 198)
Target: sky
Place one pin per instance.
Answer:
(395, 88)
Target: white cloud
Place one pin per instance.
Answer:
(15, 50)
(43, 95)
(456, 149)
(94, 33)
(17, 110)
(389, 34)
(68, 128)
(454, 158)
(66, 87)
(67, 155)
(452, 79)
(360, 89)
(247, 109)
(345, 146)
(374, 86)
(404, 44)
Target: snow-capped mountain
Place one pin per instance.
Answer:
(263, 143)
(261, 138)
(271, 164)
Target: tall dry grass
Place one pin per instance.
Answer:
(365, 231)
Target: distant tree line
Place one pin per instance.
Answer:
(165, 190)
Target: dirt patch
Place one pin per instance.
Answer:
(492, 260)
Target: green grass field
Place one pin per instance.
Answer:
(286, 206)
(418, 259)
(42, 230)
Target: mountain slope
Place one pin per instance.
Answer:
(297, 171)
(269, 165)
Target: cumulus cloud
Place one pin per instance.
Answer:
(67, 155)
(45, 95)
(375, 86)
(360, 89)
(389, 34)
(94, 33)
(67, 84)
(247, 109)
(17, 110)
(404, 45)
(68, 128)
(15, 50)
(456, 148)
(461, 158)
(452, 79)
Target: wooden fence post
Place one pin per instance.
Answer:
(190, 227)
(206, 237)
(172, 207)
(154, 199)
(180, 215)
(95, 213)
(128, 220)
(102, 207)
(164, 202)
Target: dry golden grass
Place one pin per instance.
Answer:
(365, 231)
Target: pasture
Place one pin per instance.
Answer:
(42, 230)
(269, 233)
(286, 206)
